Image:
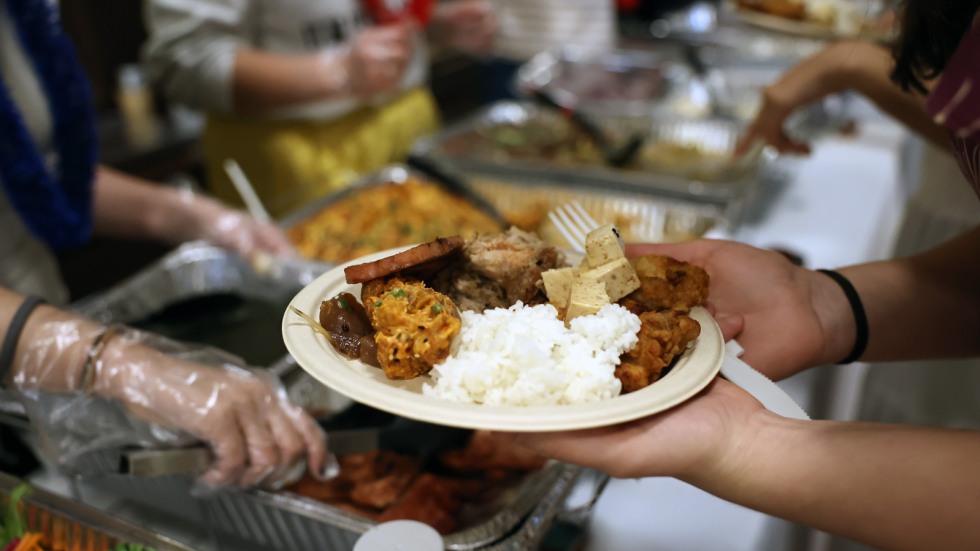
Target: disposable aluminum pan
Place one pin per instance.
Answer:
(277, 521)
(659, 82)
(469, 148)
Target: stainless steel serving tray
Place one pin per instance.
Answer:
(464, 147)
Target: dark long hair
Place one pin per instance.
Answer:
(930, 32)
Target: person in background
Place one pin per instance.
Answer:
(305, 94)
(888, 486)
(54, 195)
(528, 27)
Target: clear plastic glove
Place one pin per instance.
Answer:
(237, 231)
(466, 25)
(140, 389)
(377, 61)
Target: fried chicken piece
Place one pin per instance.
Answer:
(668, 284)
(394, 480)
(414, 325)
(663, 337)
(431, 499)
(330, 491)
(484, 452)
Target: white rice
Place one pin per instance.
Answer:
(525, 356)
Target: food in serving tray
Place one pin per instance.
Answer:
(386, 216)
(844, 17)
(573, 148)
(450, 490)
(534, 331)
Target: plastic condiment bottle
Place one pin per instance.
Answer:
(400, 535)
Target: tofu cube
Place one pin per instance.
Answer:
(588, 296)
(558, 285)
(603, 245)
(618, 276)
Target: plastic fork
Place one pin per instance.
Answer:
(573, 223)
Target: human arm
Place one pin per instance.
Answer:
(255, 433)
(125, 206)
(200, 55)
(891, 487)
(864, 67)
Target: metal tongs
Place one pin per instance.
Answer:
(613, 155)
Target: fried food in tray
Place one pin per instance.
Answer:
(385, 216)
(446, 491)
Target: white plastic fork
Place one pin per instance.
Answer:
(574, 223)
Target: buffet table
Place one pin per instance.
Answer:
(842, 205)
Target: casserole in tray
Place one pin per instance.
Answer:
(682, 159)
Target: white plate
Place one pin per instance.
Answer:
(368, 385)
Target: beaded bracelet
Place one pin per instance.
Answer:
(14, 330)
(93, 358)
(860, 318)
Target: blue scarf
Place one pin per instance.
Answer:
(56, 206)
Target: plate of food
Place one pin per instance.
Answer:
(818, 19)
(505, 332)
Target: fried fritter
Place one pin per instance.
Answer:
(414, 325)
(663, 337)
(668, 284)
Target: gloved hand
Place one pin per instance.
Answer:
(236, 230)
(256, 434)
(377, 60)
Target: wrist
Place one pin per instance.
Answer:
(745, 454)
(835, 317)
(332, 70)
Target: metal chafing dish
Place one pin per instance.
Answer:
(708, 176)
(661, 82)
(524, 201)
(279, 520)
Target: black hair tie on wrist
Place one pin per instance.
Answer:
(860, 318)
(13, 333)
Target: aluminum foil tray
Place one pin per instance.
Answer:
(85, 526)
(387, 225)
(285, 522)
(639, 217)
(274, 520)
(658, 82)
(702, 171)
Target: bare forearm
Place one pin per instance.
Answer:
(924, 306)
(266, 81)
(891, 487)
(128, 207)
(866, 68)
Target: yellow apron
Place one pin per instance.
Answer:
(291, 163)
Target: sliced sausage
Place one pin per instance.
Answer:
(420, 261)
